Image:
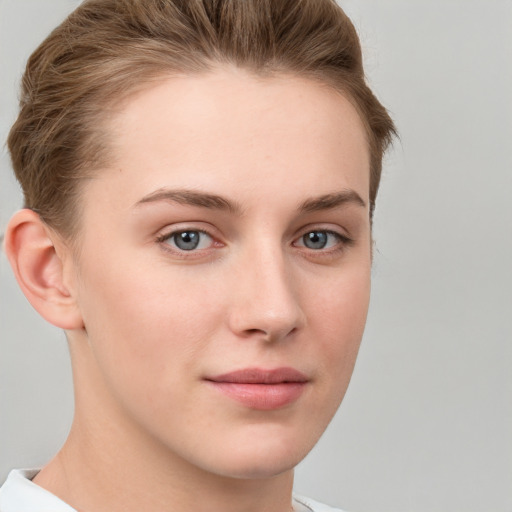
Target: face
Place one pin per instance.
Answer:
(224, 270)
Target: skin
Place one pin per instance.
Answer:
(149, 323)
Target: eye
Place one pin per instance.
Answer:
(188, 240)
(321, 239)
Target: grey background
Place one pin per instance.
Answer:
(427, 422)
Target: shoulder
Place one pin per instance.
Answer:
(303, 504)
(19, 493)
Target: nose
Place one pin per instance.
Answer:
(266, 301)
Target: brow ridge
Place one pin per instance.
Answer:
(192, 198)
(206, 200)
(331, 201)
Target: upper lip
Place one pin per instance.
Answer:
(260, 376)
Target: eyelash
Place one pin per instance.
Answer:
(342, 242)
(340, 245)
(164, 239)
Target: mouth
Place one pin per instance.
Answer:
(261, 389)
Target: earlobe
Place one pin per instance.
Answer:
(39, 269)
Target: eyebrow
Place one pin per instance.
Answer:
(192, 198)
(214, 201)
(332, 201)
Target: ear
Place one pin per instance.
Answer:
(38, 259)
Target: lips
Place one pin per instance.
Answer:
(261, 389)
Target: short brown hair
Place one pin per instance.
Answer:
(107, 49)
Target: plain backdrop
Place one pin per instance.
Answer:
(427, 422)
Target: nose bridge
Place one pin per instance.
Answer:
(266, 302)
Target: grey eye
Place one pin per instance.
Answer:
(190, 240)
(320, 239)
(315, 240)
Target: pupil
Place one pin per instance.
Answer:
(187, 240)
(315, 240)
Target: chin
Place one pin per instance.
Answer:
(256, 460)
(259, 469)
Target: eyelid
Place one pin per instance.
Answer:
(327, 232)
(326, 228)
(172, 237)
(344, 241)
(175, 229)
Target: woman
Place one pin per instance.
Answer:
(199, 183)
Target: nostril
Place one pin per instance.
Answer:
(257, 332)
(269, 335)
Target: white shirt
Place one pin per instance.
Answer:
(20, 494)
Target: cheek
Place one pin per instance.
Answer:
(344, 304)
(340, 317)
(135, 297)
(336, 323)
(145, 324)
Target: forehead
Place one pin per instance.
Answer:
(232, 129)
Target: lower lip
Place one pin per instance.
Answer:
(264, 397)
